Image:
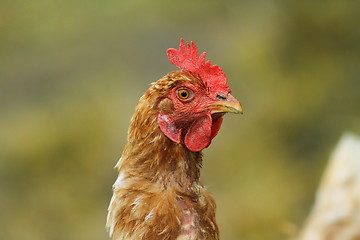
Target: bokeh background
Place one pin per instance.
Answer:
(71, 73)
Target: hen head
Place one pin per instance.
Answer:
(193, 99)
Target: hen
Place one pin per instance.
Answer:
(157, 194)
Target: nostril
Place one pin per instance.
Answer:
(220, 96)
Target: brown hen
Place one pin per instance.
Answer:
(157, 194)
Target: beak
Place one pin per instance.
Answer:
(225, 105)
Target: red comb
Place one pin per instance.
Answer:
(188, 59)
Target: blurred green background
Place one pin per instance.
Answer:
(71, 73)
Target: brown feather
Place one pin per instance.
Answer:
(157, 194)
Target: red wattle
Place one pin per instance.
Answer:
(199, 134)
(216, 124)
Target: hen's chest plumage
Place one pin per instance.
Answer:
(154, 212)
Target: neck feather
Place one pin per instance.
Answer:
(157, 194)
(149, 155)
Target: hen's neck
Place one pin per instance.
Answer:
(150, 156)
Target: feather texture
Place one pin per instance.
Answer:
(157, 194)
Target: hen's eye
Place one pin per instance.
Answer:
(184, 94)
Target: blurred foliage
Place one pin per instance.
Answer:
(71, 73)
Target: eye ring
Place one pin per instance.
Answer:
(184, 94)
